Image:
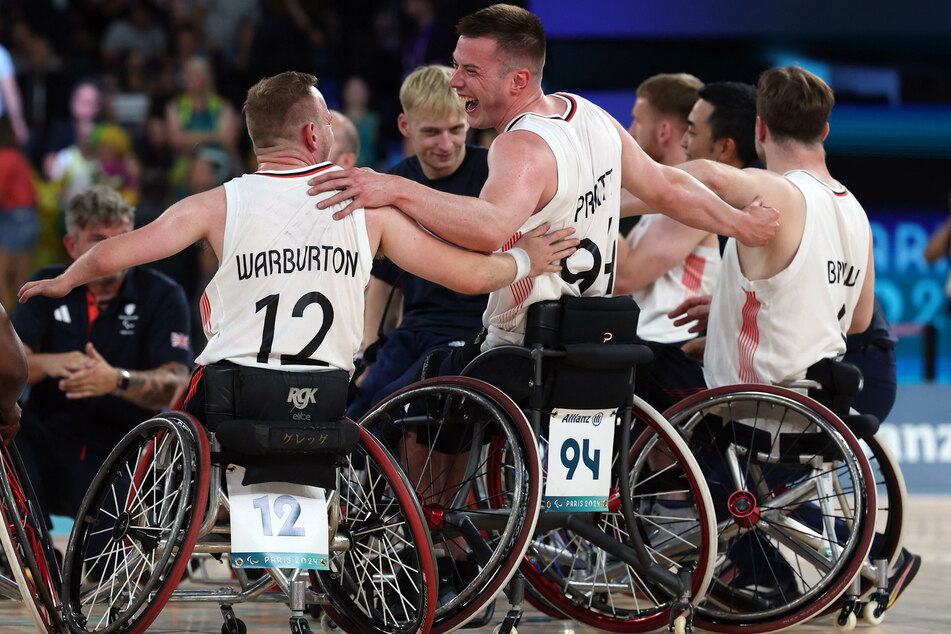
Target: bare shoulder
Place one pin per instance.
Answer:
(517, 151)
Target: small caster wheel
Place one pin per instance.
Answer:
(680, 625)
(236, 626)
(326, 625)
(874, 613)
(498, 630)
(849, 624)
(299, 625)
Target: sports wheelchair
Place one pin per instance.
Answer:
(479, 465)
(160, 498)
(806, 525)
(30, 570)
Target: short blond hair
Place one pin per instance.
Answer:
(426, 90)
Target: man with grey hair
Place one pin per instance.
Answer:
(102, 359)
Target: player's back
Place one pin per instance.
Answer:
(288, 293)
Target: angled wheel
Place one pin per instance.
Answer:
(136, 527)
(892, 499)
(454, 437)
(795, 519)
(27, 547)
(673, 512)
(384, 583)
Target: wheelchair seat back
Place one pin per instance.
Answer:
(275, 423)
(598, 337)
(841, 381)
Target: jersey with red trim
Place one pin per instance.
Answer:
(587, 150)
(772, 330)
(697, 275)
(289, 292)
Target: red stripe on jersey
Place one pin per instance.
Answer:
(748, 340)
(511, 241)
(693, 273)
(573, 109)
(204, 307)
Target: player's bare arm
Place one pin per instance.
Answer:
(665, 244)
(184, 223)
(418, 252)
(522, 178)
(862, 315)
(684, 198)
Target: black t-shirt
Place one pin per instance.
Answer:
(427, 305)
(145, 326)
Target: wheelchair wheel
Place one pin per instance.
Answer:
(449, 435)
(795, 517)
(27, 546)
(674, 518)
(892, 498)
(384, 582)
(136, 527)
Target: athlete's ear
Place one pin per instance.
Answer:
(825, 131)
(521, 78)
(724, 149)
(310, 138)
(760, 129)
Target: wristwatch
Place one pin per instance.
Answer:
(122, 382)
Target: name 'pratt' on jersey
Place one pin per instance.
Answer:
(304, 259)
(592, 199)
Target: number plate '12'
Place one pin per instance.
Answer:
(277, 525)
(580, 446)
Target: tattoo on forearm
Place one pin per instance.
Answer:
(153, 389)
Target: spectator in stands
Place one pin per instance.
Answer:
(356, 105)
(85, 104)
(137, 30)
(19, 223)
(200, 116)
(11, 103)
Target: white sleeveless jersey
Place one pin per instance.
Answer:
(587, 149)
(697, 275)
(772, 330)
(288, 294)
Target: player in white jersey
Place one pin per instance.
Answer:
(587, 153)
(288, 294)
(772, 329)
(780, 308)
(695, 275)
(498, 62)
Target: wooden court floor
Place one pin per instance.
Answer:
(923, 609)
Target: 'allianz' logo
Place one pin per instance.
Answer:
(918, 442)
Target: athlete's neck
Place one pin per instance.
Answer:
(287, 160)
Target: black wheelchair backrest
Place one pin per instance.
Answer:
(598, 336)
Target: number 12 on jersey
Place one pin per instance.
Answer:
(277, 525)
(580, 446)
